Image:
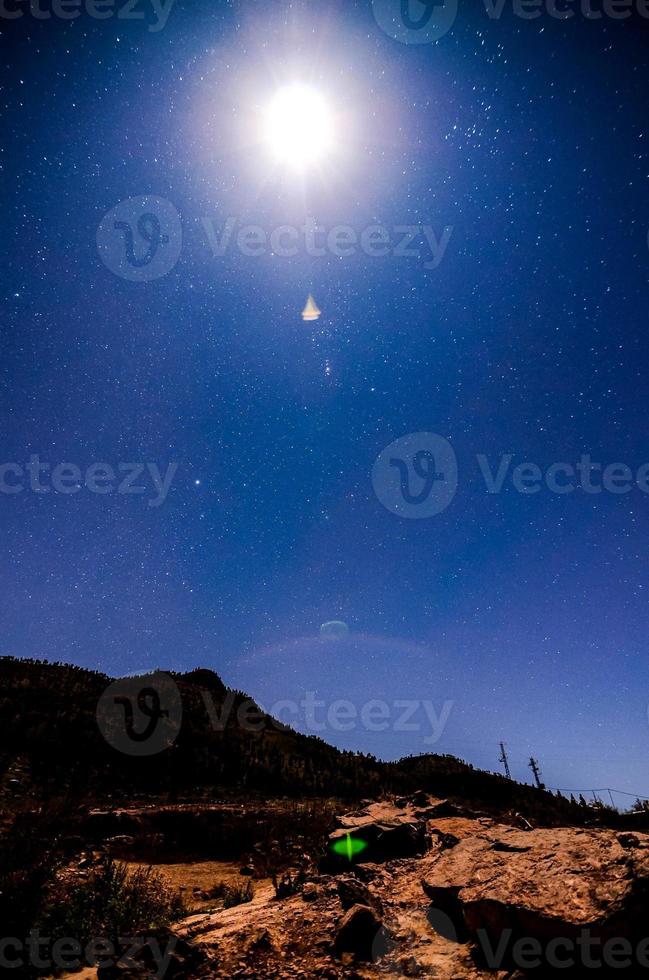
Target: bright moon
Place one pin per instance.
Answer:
(298, 126)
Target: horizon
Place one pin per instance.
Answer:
(325, 728)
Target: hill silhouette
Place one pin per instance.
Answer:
(51, 746)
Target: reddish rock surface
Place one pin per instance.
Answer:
(389, 830)
(543, 884)
(426, 910)
(426, 915)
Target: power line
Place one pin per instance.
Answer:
(603, 789)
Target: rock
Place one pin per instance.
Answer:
(444, 840)
(361, 934)
(443, 808)
(259, 940)
(389, 831)
(419, 798)
(367, 871)
(311, 891)
(352, 892)
(541, 884)
(247, 870)
(410, 967)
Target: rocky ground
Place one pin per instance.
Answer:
(436, 892)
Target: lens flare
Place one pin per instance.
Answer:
(349, 846)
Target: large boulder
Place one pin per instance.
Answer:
(352, 891)
(387, 830)
(361, 934)
(544, 885)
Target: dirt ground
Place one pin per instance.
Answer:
(199, 875)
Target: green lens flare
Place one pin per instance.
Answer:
(349, 846)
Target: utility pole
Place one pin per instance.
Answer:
(504, 760)
(534, 766)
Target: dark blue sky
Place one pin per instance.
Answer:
(528, 138)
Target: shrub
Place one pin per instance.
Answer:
(28, 865)
(233, 894)
(109, 903)
(237, 894)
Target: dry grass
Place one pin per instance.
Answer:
(208, 877)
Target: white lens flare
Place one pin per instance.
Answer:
(298, 126)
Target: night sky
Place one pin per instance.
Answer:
(530, 612)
